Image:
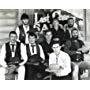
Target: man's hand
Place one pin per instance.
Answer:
(56, 39)
(78, 52)
(10, 69)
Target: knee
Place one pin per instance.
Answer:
(76, 68)
(21, 69)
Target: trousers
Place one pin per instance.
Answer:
(20, 70)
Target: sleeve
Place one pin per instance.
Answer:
(18, 32)
(84, 47)
(2, 56)
(66, 65)
(50, 59)
(67, 48)
(41, 52)
(82, 43)
(23, 54)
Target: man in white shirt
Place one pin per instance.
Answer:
(23, 29)
(13, 55)
(35, 56)
(59, 63)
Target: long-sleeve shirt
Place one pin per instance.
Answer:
(63, 61)
(3, 55)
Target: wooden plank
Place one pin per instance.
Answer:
(8, 10)
(8, 15)
(4, 22)
(4, 35)
(6, 29)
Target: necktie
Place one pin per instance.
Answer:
(12, 47)
(57, 56)
(32, 48)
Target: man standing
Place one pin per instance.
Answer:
(36, 57)
(23, 29)
(13, 57)
(59, 63)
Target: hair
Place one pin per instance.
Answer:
(47, 31)
(70, 19)
(55, 42)
(24, 16)
(55, 19)
(12, 32)
(32, 34)
(74, 29)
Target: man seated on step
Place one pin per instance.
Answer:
(59, 63)
(12, 58)
(75, 48)
(34, 65)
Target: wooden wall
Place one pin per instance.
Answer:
(9, 19)
(8, 22)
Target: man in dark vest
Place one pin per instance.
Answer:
(13, 57)
(23, 29)
(36, 57)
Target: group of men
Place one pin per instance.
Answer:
(25, 57)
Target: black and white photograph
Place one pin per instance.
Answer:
(44, 44)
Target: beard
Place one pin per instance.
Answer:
(70, 25)
(75, 37)
(25, 23)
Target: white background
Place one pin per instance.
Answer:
(45, 85)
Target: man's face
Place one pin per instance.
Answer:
(75, 34)
(71, 23)
(48, 36)
(32, 39)
(25, 21)
(56, 48)
(55, 23)
(13, 38)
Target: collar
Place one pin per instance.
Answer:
(31, 44)
(25, 27)
(13, 43)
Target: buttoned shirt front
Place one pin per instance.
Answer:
(63, 61)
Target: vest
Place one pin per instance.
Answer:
(29, 53)
(22, 35)
(8, 52)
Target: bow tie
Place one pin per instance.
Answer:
(33, 48)
(12, 47)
